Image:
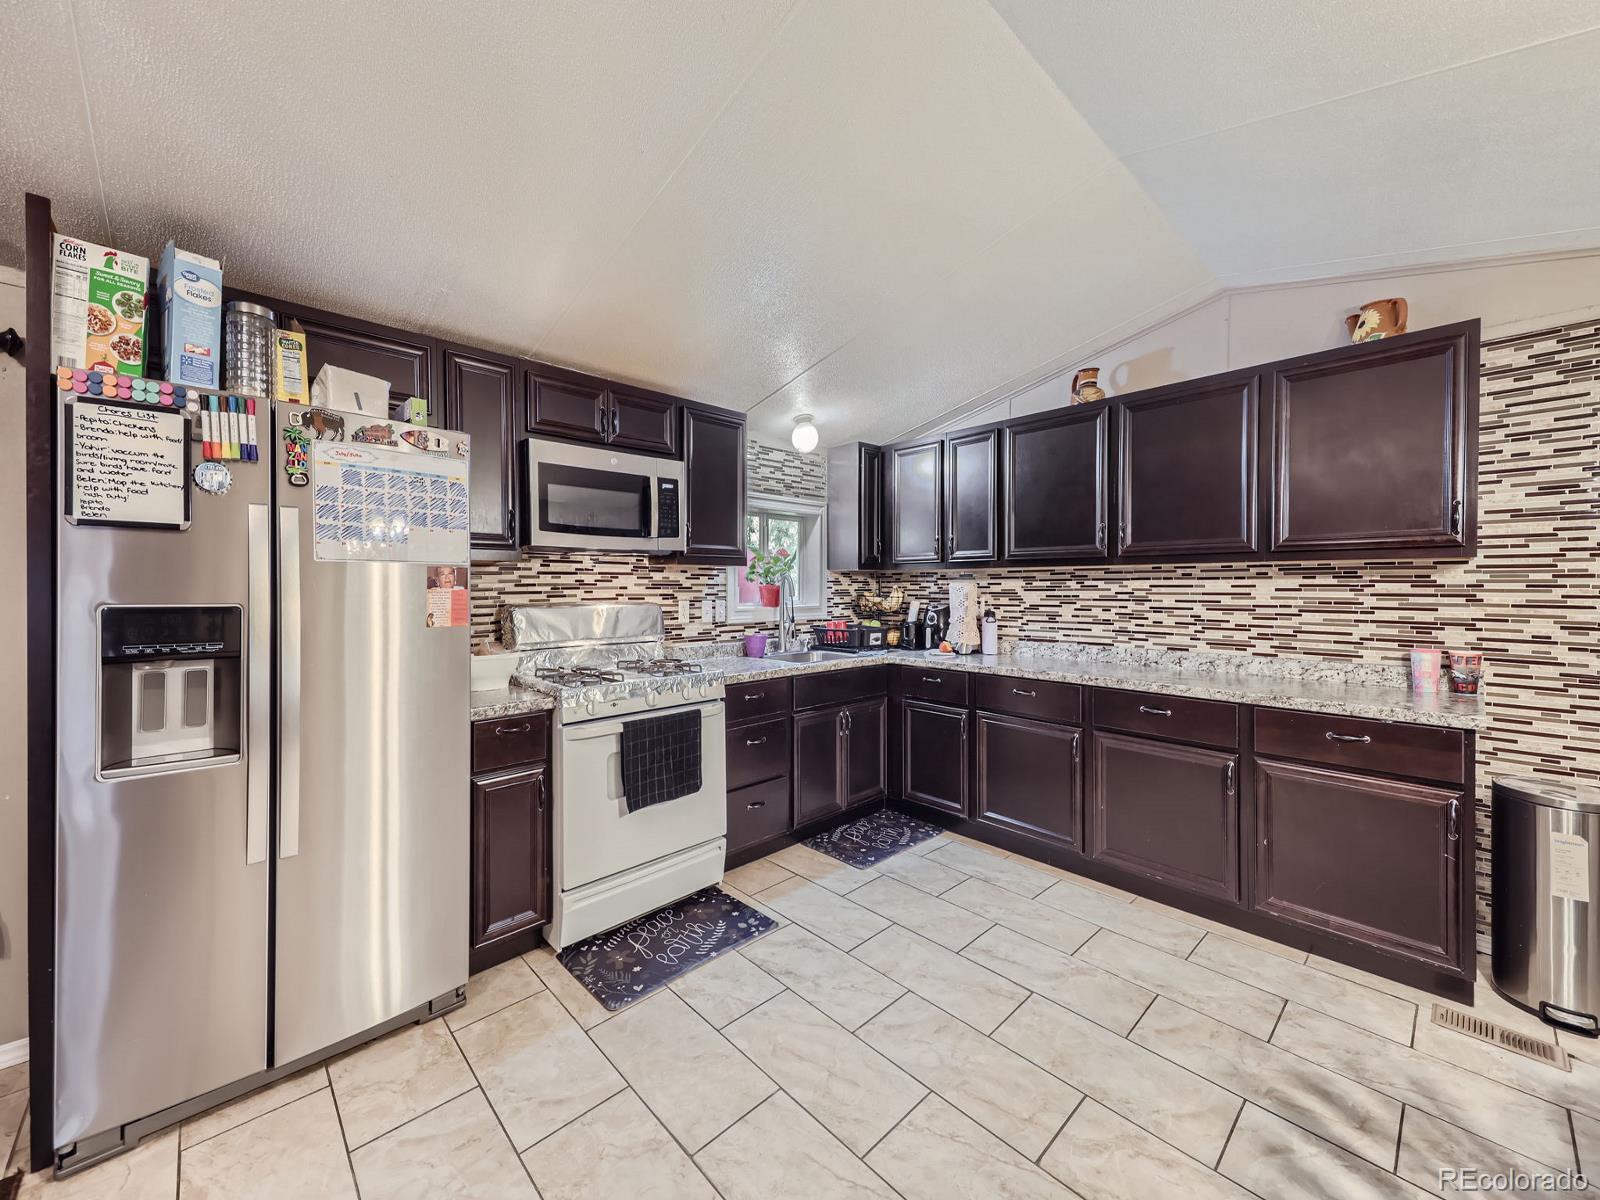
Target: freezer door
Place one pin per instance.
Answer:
(162, 869)
(372, 832)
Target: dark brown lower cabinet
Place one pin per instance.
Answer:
(1371, 858)
(510, 854)
(839, 756)
(1167, 811)
(1028, 775)
(758, 773)
(934, 762)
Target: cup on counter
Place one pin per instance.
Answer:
(1466, 672)
(755, 645)
(1427, 669)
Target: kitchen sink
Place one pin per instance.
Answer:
(810, 656)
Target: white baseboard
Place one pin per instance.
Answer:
(13, 1053)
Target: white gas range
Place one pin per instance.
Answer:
(605, 666)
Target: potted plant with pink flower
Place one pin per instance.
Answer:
(767, 571)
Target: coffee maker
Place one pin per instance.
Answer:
(935, 626)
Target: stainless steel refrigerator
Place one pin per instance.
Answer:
(262, 831)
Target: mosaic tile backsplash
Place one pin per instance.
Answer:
(1530, 601)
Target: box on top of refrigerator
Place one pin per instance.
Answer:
(97, 306)
(189, 293)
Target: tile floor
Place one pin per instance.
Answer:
(955, 1023)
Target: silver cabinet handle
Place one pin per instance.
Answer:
(543, 787)
(616, 421)
(289, 682)
(1228, 783)
(1348, 737)
(1020, 692)
(1155, 712)
(503, 730)
(1077, 747)
(931, 679)
(760, 741)
(1454, 830)
(756, 804)
(754, 696)
(258, 695)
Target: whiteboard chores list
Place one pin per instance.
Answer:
(129, 466)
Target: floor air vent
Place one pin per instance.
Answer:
(1498, 1035)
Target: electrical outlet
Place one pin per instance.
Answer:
(722, 610)
(683, 611)
(707, 611)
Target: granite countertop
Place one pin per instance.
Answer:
(509, 702)
(1318, 690)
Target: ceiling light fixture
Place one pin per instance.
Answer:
(804, 436)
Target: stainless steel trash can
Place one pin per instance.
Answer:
(1546, 892)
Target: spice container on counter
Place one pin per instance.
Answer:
(247, 342)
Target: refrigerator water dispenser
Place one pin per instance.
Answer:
(170, 686)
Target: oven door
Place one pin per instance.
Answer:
(596, 836)
(590, 498)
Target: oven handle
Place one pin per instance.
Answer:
(587, 731)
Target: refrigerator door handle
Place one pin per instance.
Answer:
(289, 682)
(258, 697)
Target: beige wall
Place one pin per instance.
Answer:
(1243, 328)
(13, 699)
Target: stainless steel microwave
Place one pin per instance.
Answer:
(595, 498)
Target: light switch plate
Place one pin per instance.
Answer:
(683, 610)
(707, 611)
(722, 610)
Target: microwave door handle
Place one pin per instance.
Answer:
(653, 482)
(289, 682)
(258, 694)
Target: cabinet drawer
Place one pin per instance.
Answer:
(1424, 751)
(510, 742)
(1037, 698)
(930, 683)
(758, 752)
(746, 701)
(1206, 722)
(840, 687)
(757, 813)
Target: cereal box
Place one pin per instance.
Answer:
(97, 306)
(189, 296)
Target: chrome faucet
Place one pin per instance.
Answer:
(789, 636)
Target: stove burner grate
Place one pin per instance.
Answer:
(661, 668)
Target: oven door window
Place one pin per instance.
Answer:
(584, 500)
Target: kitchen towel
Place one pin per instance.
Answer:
(660, 759)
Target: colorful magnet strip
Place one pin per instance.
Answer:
(227, 423)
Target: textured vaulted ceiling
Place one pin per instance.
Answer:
(873, 210)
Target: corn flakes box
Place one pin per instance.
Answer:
(98, 300)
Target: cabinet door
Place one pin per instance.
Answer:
(1167, 811)
(713, 468)
(866, 736)
(933, 755)
(818, 752)
(916, 503)
(510, 854)
(1188, 469)
(567, 405)
(1028, 776)
(404, 360)
(972, 501)
(871, 510)
(1370, 446)
(1363, 856)
(642, 421)
(1057, 486)
(480, 400)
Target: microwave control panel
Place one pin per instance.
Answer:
(667, 524)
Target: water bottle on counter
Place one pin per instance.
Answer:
(991, 632)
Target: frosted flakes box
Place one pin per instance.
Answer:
(97, 306)
(189, 293)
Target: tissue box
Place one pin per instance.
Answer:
(351, 391)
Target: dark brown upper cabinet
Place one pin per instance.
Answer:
(1369, 858)
(1371, 446)
(1187, 484)
(855, 507)
(915, 495)
(567, 404)
(480, 395)
(1057, 485)
(971, 496)
(407, 361)
(713, 469)
(641, 420)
